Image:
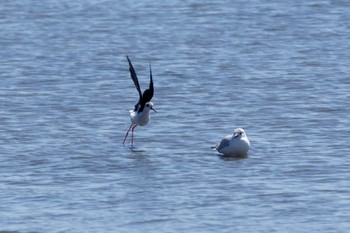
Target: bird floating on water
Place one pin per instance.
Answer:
(140, 114)
(234, 145)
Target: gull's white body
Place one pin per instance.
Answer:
(234, 145)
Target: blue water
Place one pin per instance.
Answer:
(278, 69)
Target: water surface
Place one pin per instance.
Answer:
(279, 70)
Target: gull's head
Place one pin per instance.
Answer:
(238, 133)
(149, 106)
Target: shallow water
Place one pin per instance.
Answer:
(279, 70)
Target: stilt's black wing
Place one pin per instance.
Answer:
(147, 94)
(136, 81)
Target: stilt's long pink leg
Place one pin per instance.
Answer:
(132, 134)
(126, 135)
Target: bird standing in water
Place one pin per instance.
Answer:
(140, 114)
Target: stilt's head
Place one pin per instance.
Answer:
(149, 106)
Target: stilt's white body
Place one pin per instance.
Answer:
(234, 145)
(138, 118)
(141, 118)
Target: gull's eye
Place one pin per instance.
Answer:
(147, 105)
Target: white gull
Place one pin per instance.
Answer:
(234, 145)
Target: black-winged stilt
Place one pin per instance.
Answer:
(140, 114)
